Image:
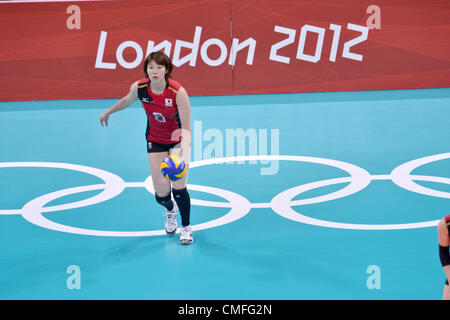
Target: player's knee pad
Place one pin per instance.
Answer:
(180, 193)
(164, 200)
(444, 255)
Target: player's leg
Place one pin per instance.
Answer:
(183, 200)
(446, 294)
(444, 241)
(162, 191)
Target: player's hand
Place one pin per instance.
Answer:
(184, 152)
(104, 118)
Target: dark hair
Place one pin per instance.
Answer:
(162, 59)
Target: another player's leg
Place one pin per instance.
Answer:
(162, 191)
(444, 255)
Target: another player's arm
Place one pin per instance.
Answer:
(184, 111)
(123, 103)
(444, 241)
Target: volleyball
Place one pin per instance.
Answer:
(173, 168)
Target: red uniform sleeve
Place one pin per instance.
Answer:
(174, 85)
(142, 81)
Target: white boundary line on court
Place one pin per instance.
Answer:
(239, 206)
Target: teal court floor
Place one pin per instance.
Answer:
(333, 196)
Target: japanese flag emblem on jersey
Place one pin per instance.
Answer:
(169, 102)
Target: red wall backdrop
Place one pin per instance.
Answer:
(280, 46)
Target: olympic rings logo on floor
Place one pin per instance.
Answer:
(239, 206)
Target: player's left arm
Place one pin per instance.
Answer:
(184, 111)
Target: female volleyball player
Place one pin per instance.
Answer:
(168, 110)
(444, 255)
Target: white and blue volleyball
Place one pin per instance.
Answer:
(173, 168)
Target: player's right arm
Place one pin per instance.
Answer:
(444, 241)
(123, 103)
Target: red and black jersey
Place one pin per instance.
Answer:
(447, 220)
(162, 112)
